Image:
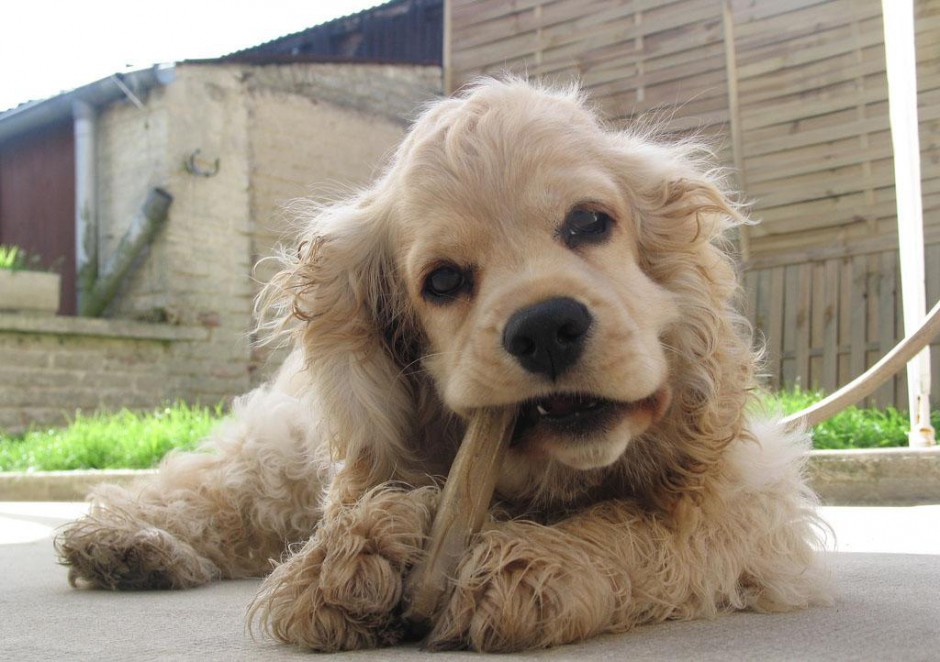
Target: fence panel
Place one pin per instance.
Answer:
(794, 91)
(824, 322)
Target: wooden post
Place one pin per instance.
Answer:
(900, 54)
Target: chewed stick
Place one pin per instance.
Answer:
(464, 503)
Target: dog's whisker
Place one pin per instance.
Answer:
(409, 368)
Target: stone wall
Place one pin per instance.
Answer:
(52, 366)
(278, 132)
(319, 133)
(195, 275)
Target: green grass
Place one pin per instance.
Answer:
(130, 440)
(853, 427)
(122, 440)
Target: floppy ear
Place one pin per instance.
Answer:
(355, 332)
(682, 215)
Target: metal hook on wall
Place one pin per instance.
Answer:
(195, 169)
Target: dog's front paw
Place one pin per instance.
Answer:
(341, 590)
(521, 587)
(112, 550)
(297, 606)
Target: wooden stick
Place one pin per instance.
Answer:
(465, 501)
(871, 379)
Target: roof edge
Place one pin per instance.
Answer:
(251, 50)
(35, 114)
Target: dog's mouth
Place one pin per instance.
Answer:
(581, 415)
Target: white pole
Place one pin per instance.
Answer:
(901, 59)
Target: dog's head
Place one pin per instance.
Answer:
(517, 252)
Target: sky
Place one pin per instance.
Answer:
(51, 46)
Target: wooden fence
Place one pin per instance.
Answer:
(795, 94)
(825, 321)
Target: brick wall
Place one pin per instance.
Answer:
(52, 366)
(279, 133)
(346, 122)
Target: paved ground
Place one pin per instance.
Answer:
(886, 564)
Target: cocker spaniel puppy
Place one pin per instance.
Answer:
(517, 252)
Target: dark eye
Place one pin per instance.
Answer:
(446, 282)
(584, 226)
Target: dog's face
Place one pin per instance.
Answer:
(519, 253)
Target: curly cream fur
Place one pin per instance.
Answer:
(683, 507)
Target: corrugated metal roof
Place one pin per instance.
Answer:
(400, 31)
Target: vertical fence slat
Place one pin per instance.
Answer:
(775, 326)
(826, 321)
(751, 279)
(857, 357)
(932, 267)
(900, 379)
(887, 320)
(791, 341)
(830, 335)
(845, 320)
(873, 346)
(805, 310)
(761, 320)
(817, 342)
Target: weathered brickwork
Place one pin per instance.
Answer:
(49, 369)
(278, 133)
(347, 122)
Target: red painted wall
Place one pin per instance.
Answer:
(37, 200)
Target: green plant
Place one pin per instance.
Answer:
(131, 440)
(121, 440)
(853, 427)
(14, 258)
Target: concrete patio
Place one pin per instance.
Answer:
(886, 563)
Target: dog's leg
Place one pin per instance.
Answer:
(525, 585)
(341, 590)
(223, 512)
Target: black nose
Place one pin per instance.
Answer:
(547, 338)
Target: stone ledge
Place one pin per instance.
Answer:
(100, 328)
(61, 485)
(882, 477)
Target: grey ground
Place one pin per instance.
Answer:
(887, 569)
